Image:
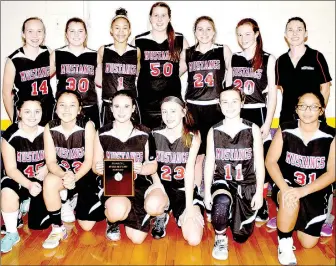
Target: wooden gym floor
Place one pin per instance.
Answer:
(92, 248)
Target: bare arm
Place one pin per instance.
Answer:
(272, 96)
(228, 67)
(148, 167)
(9, 160)
(87, 164)
(325, 90)
(138, 61)
(183, 64)
(50, 154)
(7, 87)
(258, 152)
(209, 167)
(271, 162)
(52, 64)
(99, 69)
(98, 156)
(189, 176)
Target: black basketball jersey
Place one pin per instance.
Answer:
(32, 77)
(252, 83)
(77, 73)
(159, 76)
(132, 148)
(70, 152)
(206, 73)
(234, 156)
(172, 159)
(302, 164)
(119, 71)
(29, 152)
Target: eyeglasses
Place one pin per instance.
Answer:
(314, 108)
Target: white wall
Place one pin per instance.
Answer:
(271, 17)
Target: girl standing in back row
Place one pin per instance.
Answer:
(161, 51)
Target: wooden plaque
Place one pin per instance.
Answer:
(118, 177)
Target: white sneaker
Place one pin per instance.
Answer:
(67, 214)
(113, 231)
(286, 255)
(220, 250)
(57, 234)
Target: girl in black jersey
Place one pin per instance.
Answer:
(209, 68)
(161, 51)
(123, 139)
(75, 67)
(234, 174)
(27, 72)
(69, 150)
(117, 64)
(25, 169)
(301, 162)
(253, 72)
(177, 144)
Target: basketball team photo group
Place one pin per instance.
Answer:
(160, 147)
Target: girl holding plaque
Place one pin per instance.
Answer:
(123, 139)
(177, 145)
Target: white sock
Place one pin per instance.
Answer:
(64, 194)
(10, 220)
(330, 217)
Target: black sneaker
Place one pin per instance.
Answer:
(113, 231)
(262, 215)
(160, 223)
(19, 225)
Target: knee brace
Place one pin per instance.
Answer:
(220, 211)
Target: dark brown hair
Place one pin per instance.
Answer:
(297, 19)
(236, 89)
(77, 20)
(257, 60)
(188, 121)
(121, 13)
(174, 53)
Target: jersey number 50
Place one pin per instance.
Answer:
(155, 69)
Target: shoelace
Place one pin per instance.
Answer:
(220, 243)
(114, 228)
(159, 223)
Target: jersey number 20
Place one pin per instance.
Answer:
(247, 87)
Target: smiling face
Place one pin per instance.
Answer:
(67, 107)
(120, 30)
(205, 32)
(309, 108)
(159, 18)
(33, 33)
(122, 108)
(295, 33)
(172, 114)
(246, 36)
(230, 103)
(76, 34)
(30, 113)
